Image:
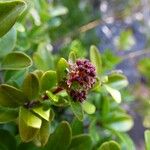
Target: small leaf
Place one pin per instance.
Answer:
(27, 133)
(16, 61)
(52, 97)
(61, 69)
(121, 123)
(95, 58)
(77, 127)
(88, 107)
(38, 73)
(10, 96)
(111, 145)
(117, 81)
(31, 86)
(45, 114)
(29, 118)
(81, 142)
(9, 13)
(48, 80)
(63, 137)
(114, 93)
(44, 133)
(8, 114)
(7, 141)
(77, 110)
(147, 139)
(72, 57)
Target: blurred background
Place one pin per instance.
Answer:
(119, 28)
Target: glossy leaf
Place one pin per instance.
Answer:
(111, 145)
(62, 135)
(44, 133)
(7, 141)
(48, 80)
(27, 133)
(16, 61)
(8, 114)
(77, 110)
(9, 13)
(10, 38)
(29, 118)
(88, 107)
(10, 96)
(147, 139)
(121, 123)
(81, 142)
(31, 86)
(95, 58)
(62, 69)
(117, 81)
(114, 93)
(44, 113)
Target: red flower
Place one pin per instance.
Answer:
(81, 78)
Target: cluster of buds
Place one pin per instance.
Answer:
(80, 79)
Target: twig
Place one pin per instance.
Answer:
(136, 54)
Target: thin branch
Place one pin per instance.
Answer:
(136, 54)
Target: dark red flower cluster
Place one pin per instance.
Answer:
(81, 78)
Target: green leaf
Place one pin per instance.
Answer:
(8, 114)
(88, 107)
(61, 69)
(44, 133)
(44, 113)
(77, 127)
(111, 145)
(52, 97)
(147, 139)
(126, 141)
(9, 13)
(81, 142)
(114, 93)
(121, 123)
(117, 81)
(16, 61)
(72, 57)
(63, 137)
(10, 38)
(27, 133)
(29, 118)
(95, 58)
(31, 86)
(10, 96)
(77, 110)
(105, 107)
(48, 80)
(38, 73)
(7, 141)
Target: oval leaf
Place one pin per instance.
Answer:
(10, 96)
(77, 110)
(7, 114)
(62, 69)
(95, 58)
(88, 107)
(81, 142)
(16, 61)
(31, 86)
(9, 13)
(111, 145)
(116, 95)
(29, 118)
(48, 80)
(62, 135)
